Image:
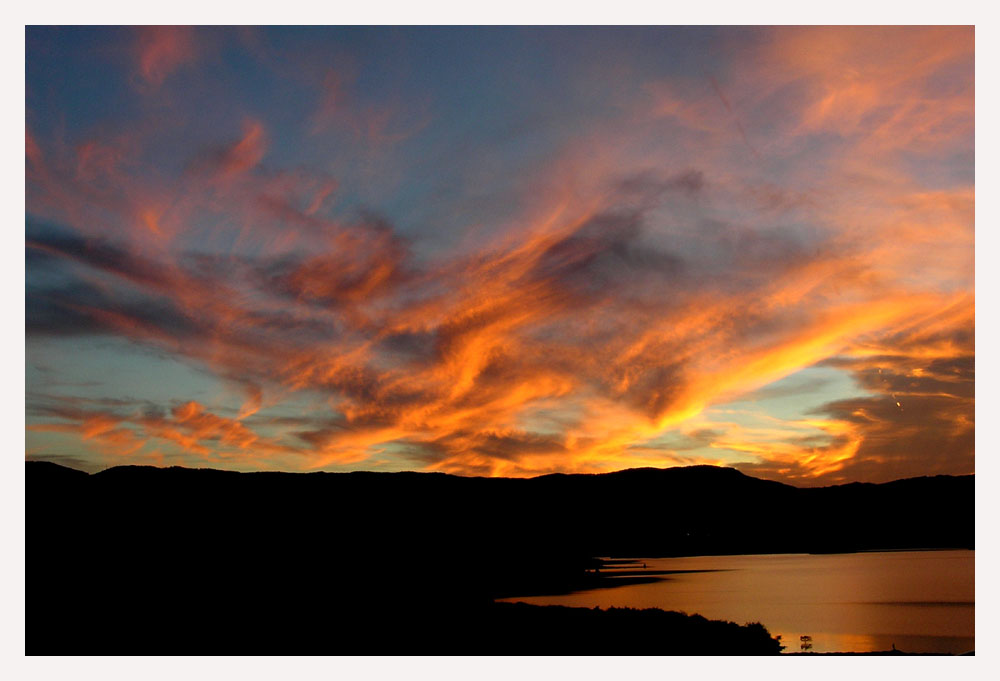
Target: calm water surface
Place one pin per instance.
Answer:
(919, 601)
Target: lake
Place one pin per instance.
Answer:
(919, 601)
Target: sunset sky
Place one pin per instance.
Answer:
(502, 251)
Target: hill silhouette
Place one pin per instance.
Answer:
(143, 560)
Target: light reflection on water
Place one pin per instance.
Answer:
(919, 601)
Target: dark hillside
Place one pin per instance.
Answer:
(400, 562)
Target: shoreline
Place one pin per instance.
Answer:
(609, 573)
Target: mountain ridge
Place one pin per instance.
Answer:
(625, 471)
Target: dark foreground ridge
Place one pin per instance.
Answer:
(140, 560)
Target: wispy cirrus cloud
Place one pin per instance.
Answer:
(161, 50)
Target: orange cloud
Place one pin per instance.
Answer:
(194, 430)
(877, 83)
(244, 154)
(31, 149)
(162, 50)
(457, 361)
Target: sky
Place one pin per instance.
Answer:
(502, 251)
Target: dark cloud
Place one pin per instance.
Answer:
(79, 408)
(163, 302)
(514, 444)
(656, 388)
(915, 423)
(81, 310)
(651, 187)
(42, 245)
(419, 347)
(601, 258)
(921, 417)
(775, 199)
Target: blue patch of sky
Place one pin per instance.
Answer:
(112, 367)
(796, 397)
